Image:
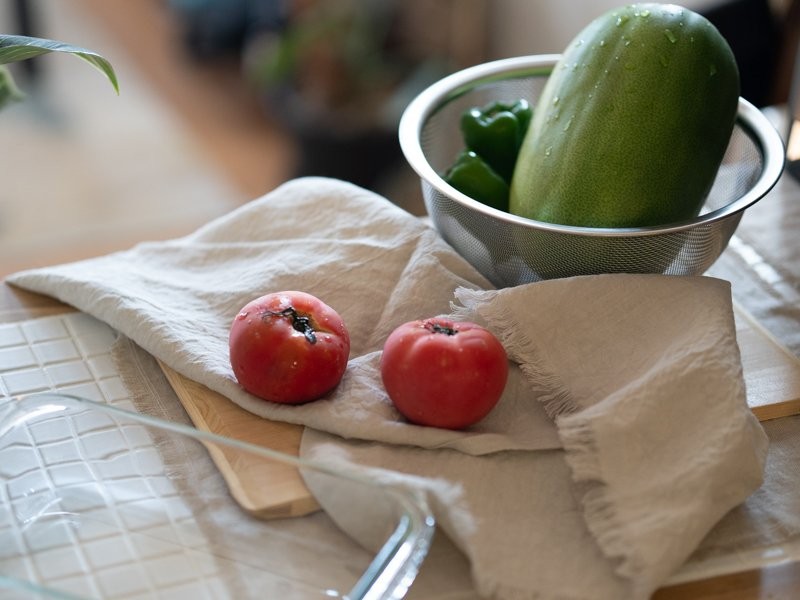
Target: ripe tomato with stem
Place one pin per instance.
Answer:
(288, 347)
(443, 373)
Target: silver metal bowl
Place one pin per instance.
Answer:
(511, 250)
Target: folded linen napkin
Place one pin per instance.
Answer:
(377, 265)
(637, 377)
(643, 378)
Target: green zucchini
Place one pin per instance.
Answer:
(632, 124)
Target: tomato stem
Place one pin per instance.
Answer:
(301, 323)
(434, 327)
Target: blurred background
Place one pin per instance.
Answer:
(222, 100)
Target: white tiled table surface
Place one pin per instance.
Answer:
(119, 549)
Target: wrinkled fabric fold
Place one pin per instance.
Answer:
(623, 434)
(642, 376)
(377, 265)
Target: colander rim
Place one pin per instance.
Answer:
(431, 99)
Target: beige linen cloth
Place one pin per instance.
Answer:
(622, 437)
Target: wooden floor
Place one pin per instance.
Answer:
(184, 142)
(212, 98)
(224, 114)
(86, 173)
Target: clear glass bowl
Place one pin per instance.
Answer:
(100, 502)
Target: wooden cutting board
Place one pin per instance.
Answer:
(267, 490)
(771, 373)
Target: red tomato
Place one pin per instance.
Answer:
(443, 373)
(288, 347)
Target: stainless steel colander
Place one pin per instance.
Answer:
(511, 250)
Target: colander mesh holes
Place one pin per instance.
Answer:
(509, 253)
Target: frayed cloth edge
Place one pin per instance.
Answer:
(599, 510)
(547, 387)
(575, 432)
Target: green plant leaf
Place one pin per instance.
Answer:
(9, 92)
(14, 48)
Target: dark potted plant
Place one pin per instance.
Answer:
(337, 75)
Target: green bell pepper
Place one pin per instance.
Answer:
(472, 176)
(495, 133)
